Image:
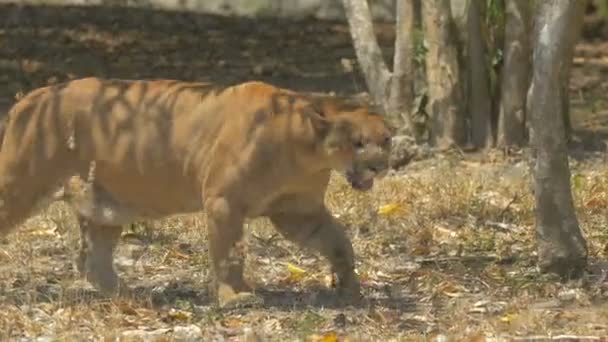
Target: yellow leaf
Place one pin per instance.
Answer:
(44, 232)
(330, 337)
(295, 271)
(389, 209)
(508, 318)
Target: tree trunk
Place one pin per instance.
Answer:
(562, 248)
(480, 98)
(368, 51)
(401, 93)
(459, 11)
(515, 74)
(393, 91)
(445, 95)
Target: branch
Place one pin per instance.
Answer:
(367, 49)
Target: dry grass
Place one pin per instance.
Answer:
(450, 253)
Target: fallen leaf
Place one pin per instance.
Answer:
(596, 202)
(5, 255)
(329, 337)
(232, 323)
(578, 181)
(364, 277)
(179, 315)
(45, 232)
(178, 255)
(449, 289)
(30, 66)
(173, 254)
(444, 235)
(508, 318)
(389, 209)
(295, 273)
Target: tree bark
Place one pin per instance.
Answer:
(562, 248)
(515, 74)
(401, 93)
(445, 94)
(480, 98)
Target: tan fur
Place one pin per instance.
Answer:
(129, 150)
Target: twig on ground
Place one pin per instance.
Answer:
(265, 240)
(557, 338)
(505, 227)
(504, 210)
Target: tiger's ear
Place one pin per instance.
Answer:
(323, 112)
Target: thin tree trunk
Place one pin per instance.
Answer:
(445, 94)
(459, 11)
(480, 98)
(562, 248)
(393, 91)
(368, 51)
(402, 81)
(515, 74)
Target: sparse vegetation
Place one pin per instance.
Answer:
(445, 248)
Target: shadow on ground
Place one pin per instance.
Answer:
(42, 45)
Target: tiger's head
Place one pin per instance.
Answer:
(356, 142)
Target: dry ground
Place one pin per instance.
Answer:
(445, 247)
